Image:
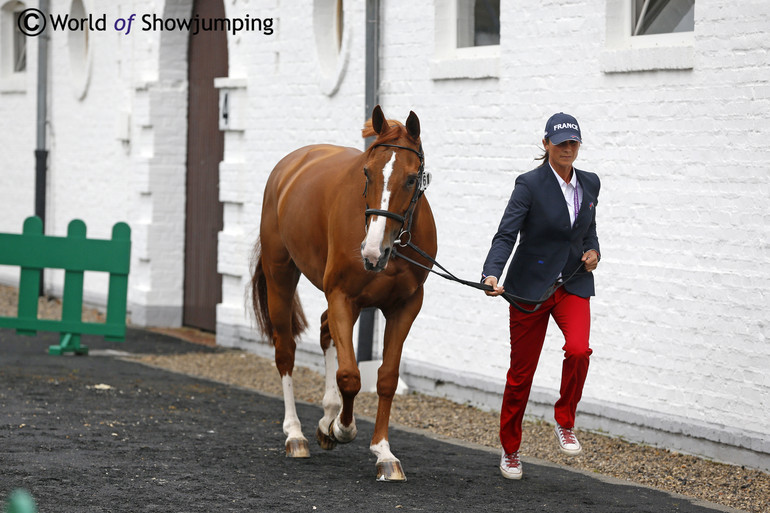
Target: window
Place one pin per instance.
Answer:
(340, 24)
(79, 51)
(13, 48)
(644, 35)
(332, 43)
(478, 23)
(19, 46)
(467, 39)
(663, 16)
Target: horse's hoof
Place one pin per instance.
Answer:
(325, 441)
(297, 448)
(390, 471)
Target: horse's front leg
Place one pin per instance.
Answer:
(342, 315)
(331, 398)
(398, 322)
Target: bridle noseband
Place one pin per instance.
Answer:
(423, 180)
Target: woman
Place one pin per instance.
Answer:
(552, 213)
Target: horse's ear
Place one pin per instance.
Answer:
(378, 119)
(413, 125)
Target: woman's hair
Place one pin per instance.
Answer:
(544, 156)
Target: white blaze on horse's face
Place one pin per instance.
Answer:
(374, 254)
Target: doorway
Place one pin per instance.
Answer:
(207, 59)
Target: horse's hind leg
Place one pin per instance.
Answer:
(281, 286)
(331, 400)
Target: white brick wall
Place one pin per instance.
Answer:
(17, 159)
(680, 330)
(95, 173)
(678, 324)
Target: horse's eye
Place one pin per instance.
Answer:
(411, 181)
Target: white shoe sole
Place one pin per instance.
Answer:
(570, 452)
(511, 475)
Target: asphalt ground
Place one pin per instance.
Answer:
(99, 433)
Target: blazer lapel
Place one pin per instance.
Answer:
(587, 204)
(556, 196)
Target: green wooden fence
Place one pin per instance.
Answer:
(33, 252)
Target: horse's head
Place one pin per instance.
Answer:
(395, 178)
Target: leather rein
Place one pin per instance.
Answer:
(423, 180)
(512, 299)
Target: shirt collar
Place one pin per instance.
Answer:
(573, 181)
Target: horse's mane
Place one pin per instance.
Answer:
(395, 130)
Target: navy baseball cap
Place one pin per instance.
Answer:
(562, 127)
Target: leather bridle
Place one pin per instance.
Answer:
(423, 180)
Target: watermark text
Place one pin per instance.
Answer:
(32, 22)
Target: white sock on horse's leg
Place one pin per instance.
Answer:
(296, 443)
(332, 403)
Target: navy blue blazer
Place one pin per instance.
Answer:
(537, 215)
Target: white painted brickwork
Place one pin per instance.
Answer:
(680, 321)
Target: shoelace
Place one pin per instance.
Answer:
(512, 460)
(567, 436)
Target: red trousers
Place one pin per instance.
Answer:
(573, 316)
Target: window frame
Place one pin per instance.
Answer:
(332, 38)
(625, 52)
(451, 62)
(19, 40)
(12, 80)
(80, 51)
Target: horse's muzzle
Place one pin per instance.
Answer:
(378, 264)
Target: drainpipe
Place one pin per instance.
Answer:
(372, 98)
(41, 153)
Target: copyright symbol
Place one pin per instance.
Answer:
(31, 22)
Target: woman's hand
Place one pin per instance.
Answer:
(591, 259)
(492, 282)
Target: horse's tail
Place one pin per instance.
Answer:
(259, 294)
(259, 301)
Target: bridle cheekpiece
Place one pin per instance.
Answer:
(423, 180)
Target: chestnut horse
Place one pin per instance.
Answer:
(317, 221)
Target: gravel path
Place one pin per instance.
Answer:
(729, 485)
